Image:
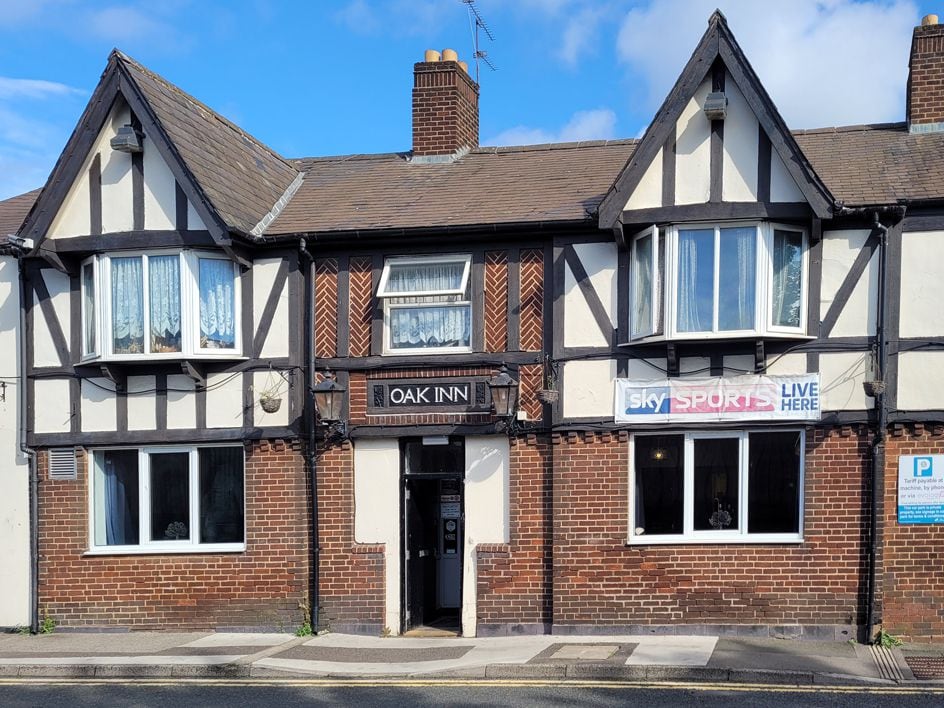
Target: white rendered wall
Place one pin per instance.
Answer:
(181, 402)
(693, 151)
(263, 276)
(588, 388)
(841, 377)
(920, 384)
(782, 186)
(45, 352)
(922, 287)
(14, 470)
(648, 193)
(55, 418)
(739, 148)
(99, 405)
(224, 400)
(600, 262)
(270, 381)
(857, 317)
(487, 468)
(142, 403)
(377, 513)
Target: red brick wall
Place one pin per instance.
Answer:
(532, 300)
(926, 78)
(600, 580)
(445, 109)
(262, 587)
(514, 579)
(326, 307)
(913, 557)
(351, 574)
(496, 301)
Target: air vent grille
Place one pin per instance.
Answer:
(62, 463)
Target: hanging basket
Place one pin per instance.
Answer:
(270, 404)
(547, 395)
(873, 388)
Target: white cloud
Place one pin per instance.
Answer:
(33, 88)
(580, 31)
(824, 62)
(399, 17)
(122, 24)
(597, 124)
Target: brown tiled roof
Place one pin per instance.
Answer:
(540, 183)
(241, 177)
(13, 211)
(876, 164)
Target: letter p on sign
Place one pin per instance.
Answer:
(923, 467)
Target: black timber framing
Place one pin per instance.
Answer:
(74, 353)
(849, 283)
(815, 291)
(597, 308)
(763, 164)
(716, 42)
(343, 333)
(552, 331)
(377, 317)
(893, 311)
(129, 240)
(137, 183)
(159, 437)
(41, 294)
(668, 168)
(181, 215)
(478, 300)
(248, 314)
(513, 320)
(160, 386)
(264, 322)
(719, 211)
(399, 431)
(297, 282)
(95, 195)
(716, 152)
(918, 219)
(452, 361)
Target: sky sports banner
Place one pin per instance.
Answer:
(717, 399)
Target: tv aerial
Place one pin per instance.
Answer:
(477, 26)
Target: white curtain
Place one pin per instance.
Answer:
(694, 311)
(786, 293)
(420, 277)
(164, 276)
(217, 304)
(737, 292)
(127, 305)
(432, 326)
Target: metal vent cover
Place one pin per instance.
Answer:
(62, 463)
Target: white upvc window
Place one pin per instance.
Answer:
(716, 487)
(160, 305)
(427, 307)
(719, 281)
(167, 500)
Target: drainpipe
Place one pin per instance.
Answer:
(30, 455)
(878, 442)
(309, 416)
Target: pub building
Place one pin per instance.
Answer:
(670, 384)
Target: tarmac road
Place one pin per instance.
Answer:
(21, 693)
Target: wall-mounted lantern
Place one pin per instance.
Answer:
(329, 403)
(504, 391)
(127, 140)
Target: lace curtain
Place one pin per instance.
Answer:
(217, 304)
(736, 278)
(424, 277)
(127, 305)
(786, 294)
(433, 326)
(164, 292)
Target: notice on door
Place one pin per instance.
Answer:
(921, 489)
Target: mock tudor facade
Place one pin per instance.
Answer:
(723, 337)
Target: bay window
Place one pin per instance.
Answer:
(159, 305)
(720, 280)
(167, 499)
(427, 308)
(731, 486)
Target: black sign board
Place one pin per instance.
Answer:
(467, 395)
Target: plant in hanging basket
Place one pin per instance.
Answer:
(269, 402)
(873, 388)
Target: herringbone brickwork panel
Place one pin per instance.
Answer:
(362, 299)
(496, 301)
(531, 377)
(326, 307)
(532, 300)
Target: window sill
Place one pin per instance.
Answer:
(753, 539)
(717, 337)
(166, 551)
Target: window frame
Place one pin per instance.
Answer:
(654, 282)
(390, 303)
(188, 263)
(689, 535)
(145, 546)
(665, 298)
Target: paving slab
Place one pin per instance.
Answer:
(687, 651)
(76, 643)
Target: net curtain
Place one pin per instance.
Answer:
(127, 305)
(217, 304)
(164, 276)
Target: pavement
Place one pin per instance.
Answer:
(621, 658)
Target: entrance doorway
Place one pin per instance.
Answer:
(433, 515)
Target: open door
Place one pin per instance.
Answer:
(432, 534)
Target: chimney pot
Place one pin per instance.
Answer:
(449, 55)
(431, 55)
(464, 66)
(445, 108)
(928, 20)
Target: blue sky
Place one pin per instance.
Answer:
(334, 77)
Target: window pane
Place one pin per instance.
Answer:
(773, 504)
(428, 327)
(660, 485)
(170, 496)
(424, 277)
(716, 484)
(221, 495)
(127, 306)
(88, 307)
(787, 287)
(642, 286)
(737, 290)
(696, 264)
(164, 299)
(116, 498)
(217, 304)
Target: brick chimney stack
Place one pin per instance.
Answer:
(445, 107)
(925, 109)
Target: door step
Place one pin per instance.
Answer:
(431, 632)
